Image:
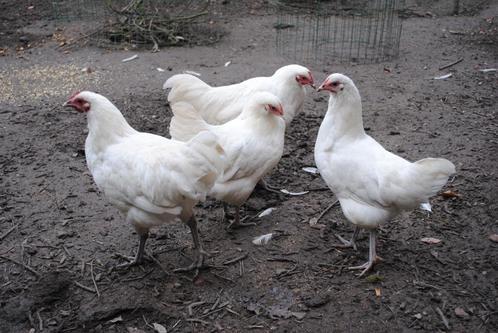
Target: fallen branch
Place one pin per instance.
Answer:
(93, 279)
(234, 260)
(84, 287)
(451, 64)
(5, 234)
(443, 318)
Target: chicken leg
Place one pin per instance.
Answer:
(350, 243)
(226, 215)
(372, 256)
(139, 257)
(199, 252)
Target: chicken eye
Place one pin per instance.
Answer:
(335, 83)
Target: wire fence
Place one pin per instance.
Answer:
(359, 31)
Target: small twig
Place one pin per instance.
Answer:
(326, 210)
(196, 320)
(234, 260)
(147, 323)
(191, 307)
(158, 263)
(175, 325)
(217, 300)
(231, 311)
(21, 264)
(5, 234)
(84, 287)
(93, 279)
(451, 64)
(223, 277)
(211, 312)
(443, 318)
(137, 277)
(40, 320)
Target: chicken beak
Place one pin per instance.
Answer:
(323, 86)
(312, 82)
(280, 110)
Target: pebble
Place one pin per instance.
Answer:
(460, 313)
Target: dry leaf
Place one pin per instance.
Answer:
(377, 292)
(430, 240)
(299, 315)
(494, 238)
(450, 194)
(159, 328)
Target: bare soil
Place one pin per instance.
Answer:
(60, 239)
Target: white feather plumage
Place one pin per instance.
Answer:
(372, 184)
(150, 179)
(217, 105)
(253, 143)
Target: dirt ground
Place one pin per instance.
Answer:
(59, 238)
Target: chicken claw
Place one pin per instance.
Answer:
(264, 185)
(350, 243)
(139, 257)
(200, 253)
(372, 256)
(237, 223)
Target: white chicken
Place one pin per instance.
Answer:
(217, 105)
(150, 179)
(372, 184)
(253, 143)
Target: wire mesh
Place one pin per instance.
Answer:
(319, 31)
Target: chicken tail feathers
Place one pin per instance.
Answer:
(185, 87)
(186, 122)
(433, 174)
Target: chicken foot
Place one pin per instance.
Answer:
(372, 255)
(199, 253)
(237, 223)
(350, 243)
(264, 184)
(226, 215)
